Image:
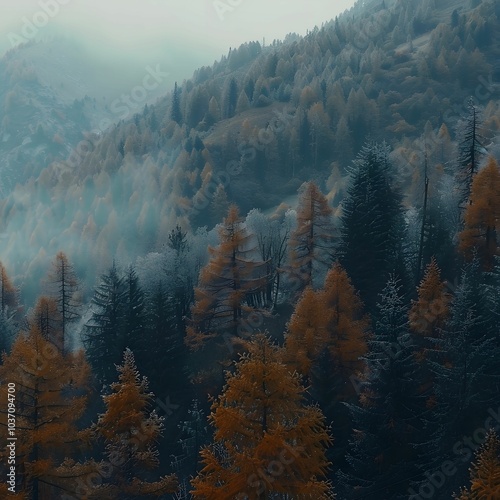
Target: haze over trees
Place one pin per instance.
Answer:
(281, 280)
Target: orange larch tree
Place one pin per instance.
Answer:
(485, 471)
(49, 401)
(429, 312)
(482, 217)
(311, 244)
(266, 441)
(306, 334)
(230, 286)
(130, 429)
(347, 325)
(331, 318)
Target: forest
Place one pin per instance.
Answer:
(280, 281)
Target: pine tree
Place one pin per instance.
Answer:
(266, 441)
(175, 111)
(104, 338)
(49, 390)
(482, 217)
(465, 373)
(311, 244)
(372, 225)
(471, 150)
(387, 417)
(485, 471)
(130, 431)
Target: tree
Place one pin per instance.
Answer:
(430, 311)
(482, 217)
(175, 110)
(471, 150)
(130, 431)
(372, 225)
(311, 243)
(47, 319)
(63, 285)
(485, 471)
(330, 318)
(266, 442)
(8, 293)
(49, 398)
(104, 338)
(225, 285)
(386, 419)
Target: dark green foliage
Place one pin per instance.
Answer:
(387, 418)
(372, 225)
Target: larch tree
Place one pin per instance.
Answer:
(266, 442)
(63, 287)
(306, 334)
(47, 319)
(311, 243)
(225, 284)
(130, 431)
(430, 311)
(484, 471)
(49, 401)
(346, 324)
(482, 217)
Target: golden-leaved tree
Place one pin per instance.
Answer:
(429, 312)
(49, 390)
(484, 472)
(311, 244)
(266, 441)
(227, 285)
(331, 318)
(130, 430)
(482, 217)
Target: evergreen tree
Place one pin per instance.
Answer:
(104, 334)
(372, 225)
(175, 110)
(471, 150)
(387, 416)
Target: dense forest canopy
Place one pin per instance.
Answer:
(281, 280)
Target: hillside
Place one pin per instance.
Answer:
(255, 125)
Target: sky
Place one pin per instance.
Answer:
(181, 34)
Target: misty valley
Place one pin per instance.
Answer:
(277, 278)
